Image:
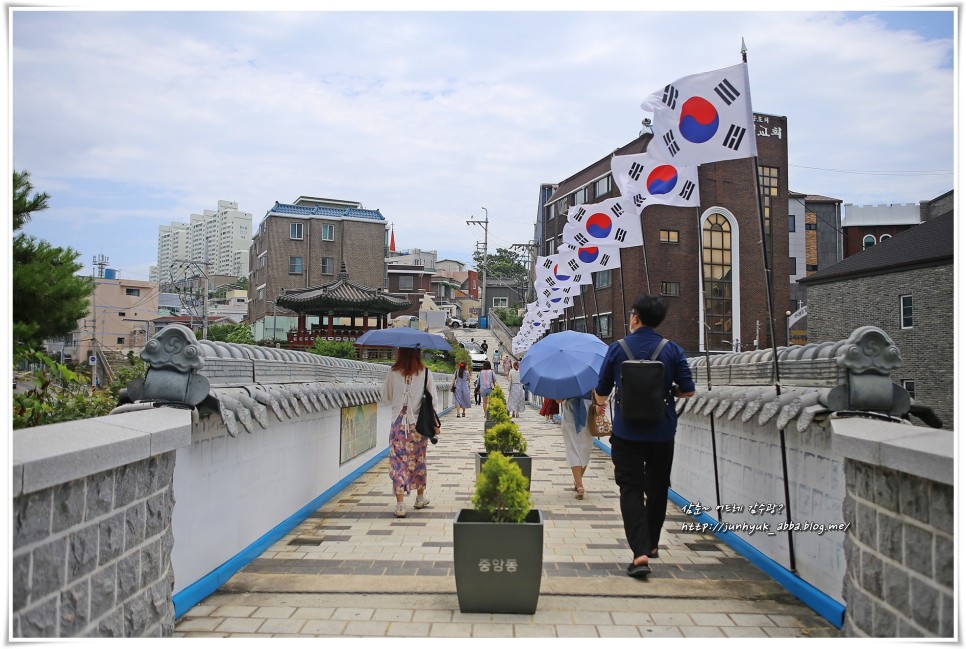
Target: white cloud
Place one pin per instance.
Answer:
(429, 116)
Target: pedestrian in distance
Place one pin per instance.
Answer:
(461, 390)
(487, 381)
(403, 391)
(515, 401)
(642, 452)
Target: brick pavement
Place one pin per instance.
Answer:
(353, 569)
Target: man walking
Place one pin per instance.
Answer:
(642, 453)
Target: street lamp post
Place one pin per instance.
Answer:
(788, 328)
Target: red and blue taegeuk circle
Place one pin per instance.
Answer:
(562, 278)
(599, 225)
(588, 255)
(699, 120)
(662, 180)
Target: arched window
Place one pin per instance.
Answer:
(718, 292)
(884, 237)
(868, 241)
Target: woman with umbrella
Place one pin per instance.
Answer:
(403, 392)
(461, 390)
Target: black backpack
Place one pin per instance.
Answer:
(427, 423)
(642, 382)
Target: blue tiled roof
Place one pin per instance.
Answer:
(301, 210)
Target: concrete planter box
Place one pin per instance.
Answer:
(498, 566)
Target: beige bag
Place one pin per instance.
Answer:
(598, 424)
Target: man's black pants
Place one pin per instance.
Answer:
(642, 469)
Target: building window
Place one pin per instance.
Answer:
(328, 265)
(260, 293)
(120, 341)
(604, 321)
(328, 232)
(602, 186)
(670, 236)
(261, 261)
(295, 231)
(910, 387)
(793, 266)
(811, 268)
(500, 302)
(121, 314)
(672, 289)
(580, 196)
(717, 282)
(133, 292)
(579, 325)
(868, 241)
(811, 226)
(769, 192)
(791, 222)
(295, 265)
(601, 279)
(905, 306)
(406, 282)
(551, 247)
(884, 237)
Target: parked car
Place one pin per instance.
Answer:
(455, 323)
(472, 322)
(477, 355)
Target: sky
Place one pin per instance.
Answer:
(131, 120)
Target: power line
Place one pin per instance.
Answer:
(939, 172)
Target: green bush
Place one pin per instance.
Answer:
(504, 437)
(134, 369)
(496, 410)
(498, 393)
(335, 349)
(58, 395)
(501, 491)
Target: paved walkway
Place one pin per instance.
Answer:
(352, 569)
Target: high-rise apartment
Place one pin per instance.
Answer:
(215, 241)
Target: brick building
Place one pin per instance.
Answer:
(669, 263)
(903, 285)
(303, 245)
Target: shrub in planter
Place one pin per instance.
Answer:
(498, 545)
(496, 410)
(502, 492)
(498, 392)
(504, 437)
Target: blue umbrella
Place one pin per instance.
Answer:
(403, 337)
(563, 365)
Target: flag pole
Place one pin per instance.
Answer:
(593, 289)
(774, 344)
(707, 359)
(647, 275)
(620, 253)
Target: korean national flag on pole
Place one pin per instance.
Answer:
(614, 221)
(549, 273)
(589, 259)
(703, 118)
(650, 181)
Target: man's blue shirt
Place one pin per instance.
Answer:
(642, 342)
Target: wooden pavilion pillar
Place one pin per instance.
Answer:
(329, 329)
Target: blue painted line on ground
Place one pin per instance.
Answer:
(826, 606)
(189, 596)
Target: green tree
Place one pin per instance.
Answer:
(335, 349)
(48, 297)
(23, 203)
(231, 333)
(505, 263)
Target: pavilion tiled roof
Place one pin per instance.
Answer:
(341, 297)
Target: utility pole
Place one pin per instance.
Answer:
(486, 227)
(204, 301)
(531, 248)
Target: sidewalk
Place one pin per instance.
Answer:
(352, 569)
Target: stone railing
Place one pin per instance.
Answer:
(92, 538)
(899, 548)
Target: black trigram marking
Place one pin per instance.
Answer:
(581, 239)
(639, 200)
(670, 98)
(548, 263)
(547, 293)
(687, 190)
(727, 92)
(617, 210)
(578, 216)
(620, 235)
(604, 259)
(671, 144)
(577, 278)
(635, 171)
(573, 264)
(550, 282)
(734, 136)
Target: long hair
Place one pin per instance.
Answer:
(462, 370)
(408, 361)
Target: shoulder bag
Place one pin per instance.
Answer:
(427, 423)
